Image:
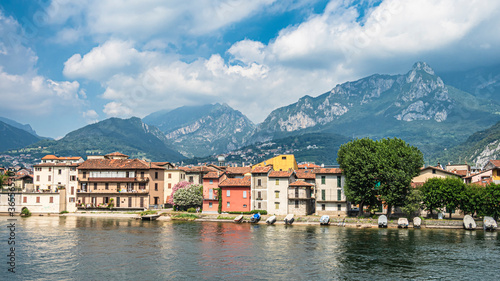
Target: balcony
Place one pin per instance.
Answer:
(211, 199)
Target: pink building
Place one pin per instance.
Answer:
(235, 194)
(210, 194)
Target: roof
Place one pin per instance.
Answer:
(308, 166)
(213, 175)
(116, 164)
(236, 182)
(328, 171)
(495, 162)
(305, 174)
(439, 169)
(116, 154)
(461, 173)
(262, 170)
(57, 165)
(238, 170)
(198, 169)
(53, 157)
(280, 174)
(300, 183)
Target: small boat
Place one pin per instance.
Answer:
(382, 221)
(403, 223)
(271, 220)
(489, 224)
(469, 222)
(417, 222)
(289, 219)
(324, 220)
(150, 217)
(255, 218)
(238, 219)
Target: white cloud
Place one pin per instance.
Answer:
(116, 109)
(90, 116)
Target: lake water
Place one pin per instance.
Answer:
(79, 248)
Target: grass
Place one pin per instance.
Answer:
(188, 217)
(150, 212)
(225, 218)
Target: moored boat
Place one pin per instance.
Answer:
(489, 224)
(271, 220)
(324, 220)
(417, 222)
(255, 218)
(382, 221)
(402, 223)
(238, 219)
(469, 222)
(289, 219)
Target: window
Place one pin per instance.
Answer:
(106, 200)
(244, 194)
(72, 169)
(259, 182)
(38, 199)
(228, 193)
(84, 175)
(210, 204)
(127, 174)
(433, 171)
(296, 192)
(276, 205)
(277, 181)
(323, 207)
(72, 190)
(323, 194)
(259, 195)
(106, 186)
(50, 169)
(228, 204)
(169, 175)
(141, 202)
(72, 200)
(59, 172)
(283, 158)
(157, 200)
(118, 187)
(169, 185)
(38, 178)
(323, 179)
(211, 181)
(25, 199)
(339, 194)
(142, 175)
(339, 181)
(95, 185)
(276, 194)
(142, 185)
(38, 169)
(72, 178)
(117, 201)
(156, 186)
(50, 178)
(259, 205)
(156, 175)
(191, 179)
(244, 205)
(210, 194)
(296, 204)
(84, 187)
(339, 207)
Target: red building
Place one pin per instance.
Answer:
(210, 195)
(235, 194)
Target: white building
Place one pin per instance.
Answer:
(277, 191)
(330, 196)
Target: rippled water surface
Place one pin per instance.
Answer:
(78, 248)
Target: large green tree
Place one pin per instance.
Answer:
(397, 164)
(358, 160)
(491, 201)
(447, 192)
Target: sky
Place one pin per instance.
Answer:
(65, 64)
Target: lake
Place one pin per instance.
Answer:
(83, 248)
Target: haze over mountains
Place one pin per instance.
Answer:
(418, 106)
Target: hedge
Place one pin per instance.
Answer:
(262, 212)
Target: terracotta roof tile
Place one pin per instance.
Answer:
(116, 154)
(305, 174)
(236, 182)
(495, 162)
(57, 165)
(328, 171)
(115, 164)
(300, 183)
(53, 157)
(280, 174)
(261, 170)
(238, 170)
(308, 166)
(213, 175)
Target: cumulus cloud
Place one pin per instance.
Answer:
(90, 116)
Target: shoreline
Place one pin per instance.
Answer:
(351, 222)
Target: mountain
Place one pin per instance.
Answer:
(12, 137)
(203, 130)
(482, 82)
(128, 136)
(317, 147)
(417, 107)
(478, 149)
(25, 127)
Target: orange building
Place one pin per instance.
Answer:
(210, 194)
(235, 194)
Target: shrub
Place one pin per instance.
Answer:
(151, 212)
(187, 217)
(191, 210)
(262, 212)
(64, 212)
(25, 212)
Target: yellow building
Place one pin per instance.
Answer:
(284, 162)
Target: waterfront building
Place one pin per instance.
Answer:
(50, 202)
(235, 194)
(330, 196)
(300, 201)
(277, 191)
(172, 176)
(259, 195)
(481, 178)
(210, 191)
(126, 183)
(284, 162)
(56, 173)
(195, 174)
(432, 172)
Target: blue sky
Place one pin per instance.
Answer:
(65, 64)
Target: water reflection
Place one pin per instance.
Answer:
(96, 248)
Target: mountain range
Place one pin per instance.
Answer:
(433, 113)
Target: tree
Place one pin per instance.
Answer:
(191, 197)
(491, 201)
(413, 202)
(472, 199)
(443, 192)
(358, 161)
(453, 188)
(432, 194)
(3, 180)
(177, 186)
(397, 164)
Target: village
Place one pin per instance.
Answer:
(278, 186)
